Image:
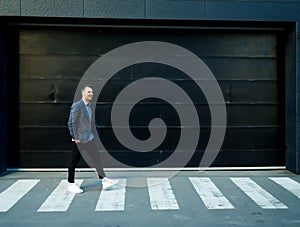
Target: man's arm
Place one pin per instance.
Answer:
(75, 112)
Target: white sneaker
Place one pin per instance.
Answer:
(108, 183)
(74, 188)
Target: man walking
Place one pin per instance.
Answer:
(82, 129)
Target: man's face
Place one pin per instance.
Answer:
(87, 94)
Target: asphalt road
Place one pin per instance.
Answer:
(190, 198)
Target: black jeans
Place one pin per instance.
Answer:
(91, 155)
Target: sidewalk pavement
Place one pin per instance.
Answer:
(189, 198)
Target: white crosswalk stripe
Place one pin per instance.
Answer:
(161, 194)
(14, 193)
(211, 196)
(60, 199)
(260, 196)
(289, 184)
(160, 191)
(113, 200)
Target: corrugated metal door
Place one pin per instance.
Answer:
(246, 64)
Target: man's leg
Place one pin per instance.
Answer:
(73, 163)
(94, 158)
(91, 154)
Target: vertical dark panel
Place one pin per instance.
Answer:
(292, 104)
(13, 83)
(3, 98)
(10, 97)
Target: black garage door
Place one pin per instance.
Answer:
(246, 65)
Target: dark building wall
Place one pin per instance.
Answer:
(257, 10)
(260, 10)
(3, 93)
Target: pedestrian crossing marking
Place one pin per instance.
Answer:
(112, 200)
(211, 196)
(260, 196)
(161, 194)
(60, 199)
(289, 184)
(10, 196)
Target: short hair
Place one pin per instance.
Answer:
(85, 86)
